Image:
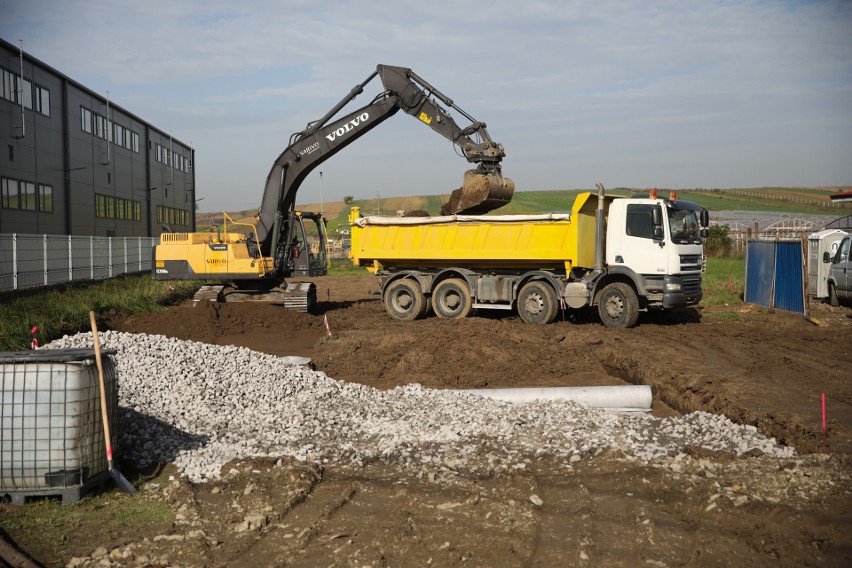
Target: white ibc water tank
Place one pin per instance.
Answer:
(819, 243)
(51, 430)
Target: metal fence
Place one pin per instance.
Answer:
(29, 261)
(775, 275)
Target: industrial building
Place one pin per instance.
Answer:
(74, 163)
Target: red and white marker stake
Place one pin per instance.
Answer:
(325, 321)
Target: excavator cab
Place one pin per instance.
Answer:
(308, 249)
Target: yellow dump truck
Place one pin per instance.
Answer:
(622, 255)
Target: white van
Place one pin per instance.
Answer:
(840, 274)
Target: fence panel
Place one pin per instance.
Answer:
(30, 257)
(789, 281)
(101, 266)
(8, 278)
(56, 260)
(774, 275)
(28, 261)
(81, 258)
(760, 265)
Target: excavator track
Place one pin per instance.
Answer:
(296, 296)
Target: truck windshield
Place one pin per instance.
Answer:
(683, 225)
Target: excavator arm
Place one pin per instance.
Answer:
(484, 188)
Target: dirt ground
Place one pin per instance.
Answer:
(758, 367)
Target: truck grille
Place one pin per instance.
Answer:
(691, 286)
(690, 262)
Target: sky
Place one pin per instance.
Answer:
(672, 94)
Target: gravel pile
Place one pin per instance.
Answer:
(200, 406)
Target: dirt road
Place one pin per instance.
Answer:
(762, 368)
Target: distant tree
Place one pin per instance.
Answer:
(348, 199)
(719, 242)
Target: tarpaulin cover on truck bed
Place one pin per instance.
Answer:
(445, 219)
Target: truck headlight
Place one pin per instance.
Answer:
(673, 287)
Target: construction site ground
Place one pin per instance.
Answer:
(759, 367)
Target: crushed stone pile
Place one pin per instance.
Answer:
(200, 406)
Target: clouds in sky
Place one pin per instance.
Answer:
(672, 94)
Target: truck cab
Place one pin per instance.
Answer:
(840, 274)
(658, 244)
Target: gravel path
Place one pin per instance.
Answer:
(200, 406)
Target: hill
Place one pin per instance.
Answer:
(802, 200)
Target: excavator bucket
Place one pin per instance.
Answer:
(479, 194)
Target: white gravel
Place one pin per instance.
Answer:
(200, 406)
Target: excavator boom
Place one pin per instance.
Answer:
(484, 187)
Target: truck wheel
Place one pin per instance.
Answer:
(537, 303)
(404, 301)
(451, 299)
(832, 296)
(618, 305)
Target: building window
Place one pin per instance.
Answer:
(9, 193)
(42, 101)
(109, 207)
(28, 196)
(45, 198)
(16, 194)
(10, 86)
(86, 119)
(100, 126)
(172, 216)
(135, 139)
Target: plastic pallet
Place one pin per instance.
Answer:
(68, 494)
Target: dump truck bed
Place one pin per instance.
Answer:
(553, 241)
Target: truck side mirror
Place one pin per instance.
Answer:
(658, 232)
(826, 257)
(705, 233)
(656, 217)
(705, 219)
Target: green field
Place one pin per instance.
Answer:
(781, 199)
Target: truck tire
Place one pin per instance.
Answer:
(832, 296)
(404, 300)
(537, 303)
(451, 299)
(618, 305)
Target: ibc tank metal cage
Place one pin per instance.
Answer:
(52, 431)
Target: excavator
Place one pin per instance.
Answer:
(255, 260)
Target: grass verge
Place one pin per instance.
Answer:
(723, 284)
(62, 311)
(54, 533)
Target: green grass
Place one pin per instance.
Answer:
(723, 283)
(62, 311)
(53, 533)
(344, 267)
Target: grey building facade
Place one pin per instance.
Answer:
(74, 163)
